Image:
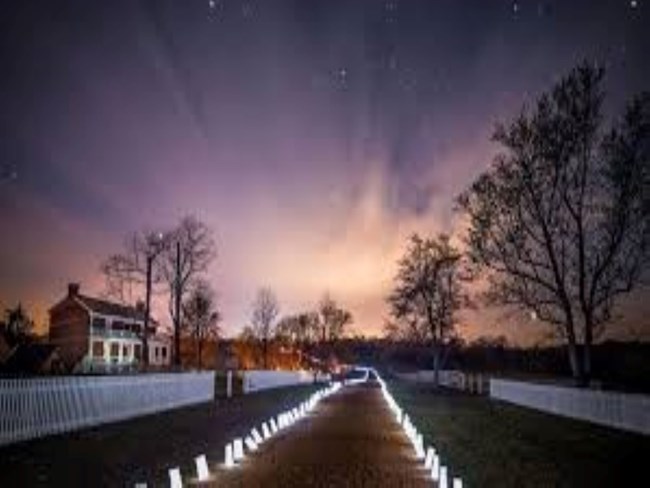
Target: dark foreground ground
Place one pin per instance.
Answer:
(142, 449)
(493, 443)
(350, 440)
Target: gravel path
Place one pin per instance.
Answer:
(350, 440)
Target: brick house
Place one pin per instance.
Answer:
(95, 335)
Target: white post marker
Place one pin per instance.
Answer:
(175, 478)
(428, 460)
(443, 478)
(202, 472)
(229, 461)
(274, 426)
(238, 450)
(458, 483)
(265, 431)
(435, 469)
(229, 384)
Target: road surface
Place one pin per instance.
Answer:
(351, 439)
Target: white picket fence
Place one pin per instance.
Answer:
(620, 410)
(449, 378)
(257, 380)
(36, 407)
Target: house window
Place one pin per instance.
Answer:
(115, 349)
(99, 323)
(156, 352)
(164, 352)
(137, 351)
(125, 351)
(98, 349)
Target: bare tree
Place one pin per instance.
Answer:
(333, 319)
(265, 311)
(190, 252)
(134, 266)
(559, 224)
(201, 316)
(301, 328)
(428, 293)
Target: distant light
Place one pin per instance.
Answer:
(265, 431)
(256, 436)
(443, 483)
(175, 478)
(202, 471)
(250, 443)
(435, 470)
(229, 461)
(634, 3)
(238, 450)
(428, 461)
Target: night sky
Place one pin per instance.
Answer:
(313, 136)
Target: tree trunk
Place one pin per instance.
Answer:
(200, 353)
(177, 308)
(436, 364)
(575, 358)
(147, 313)
(586, 353)
(265, 343)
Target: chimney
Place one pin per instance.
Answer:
(73, 289)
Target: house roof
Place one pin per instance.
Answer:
(105, 307)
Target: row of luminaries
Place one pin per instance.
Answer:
(235, 451)
(432, 462)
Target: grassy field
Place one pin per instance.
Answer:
(491, 443)
(141, 449)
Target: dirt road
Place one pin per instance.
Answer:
(350, 440)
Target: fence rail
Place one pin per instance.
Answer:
(620, 410)
(257, 380)
(36, 407)
(449, 378)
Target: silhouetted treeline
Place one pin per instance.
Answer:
(617, 365)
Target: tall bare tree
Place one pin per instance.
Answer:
(190, 252)
(301, 328)
(135, 266)
(333, 319)
(428, 293)
(559, 224)
(201, 317)
(265, 310)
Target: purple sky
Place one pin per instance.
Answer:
(313, 136)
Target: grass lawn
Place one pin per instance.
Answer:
(141, 449)
(490, 443)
